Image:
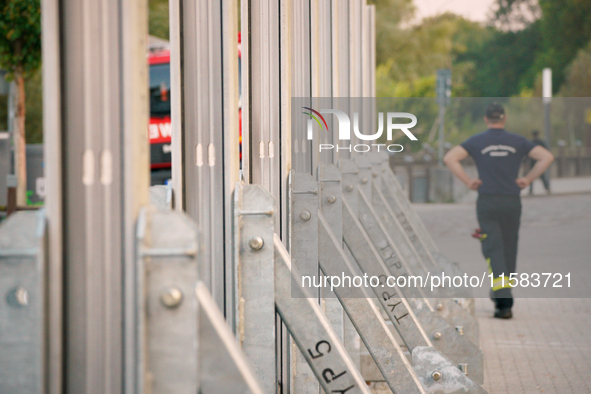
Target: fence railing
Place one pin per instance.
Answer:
(426, 181)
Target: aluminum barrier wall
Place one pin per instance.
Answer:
(195, 287)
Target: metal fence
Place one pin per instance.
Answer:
(103, 292)
(426, 181)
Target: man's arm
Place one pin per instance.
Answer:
(452, 161)
(543, 159)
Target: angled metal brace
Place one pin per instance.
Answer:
(224, 369)
(445, 307)
(439, 375)
(371, 263)
(418, 236)
(445, 337)
(365, 316)
(318, 342)
(412, 224)
(349, 180)
(374, 331)
(377, 255)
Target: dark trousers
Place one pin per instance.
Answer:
(545, 181)
(499, 218)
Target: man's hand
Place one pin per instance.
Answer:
(474, 184)
(522, 182)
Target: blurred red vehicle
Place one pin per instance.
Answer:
(159, 130)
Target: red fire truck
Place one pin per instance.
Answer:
(159, 130)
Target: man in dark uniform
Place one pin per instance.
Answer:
(544, 177)
(498, 155)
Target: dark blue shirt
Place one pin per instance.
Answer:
(498, 154)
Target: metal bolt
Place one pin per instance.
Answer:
(331, 199)
(364, 180)
(460, 330)
(349, 188)
(464, 368)
(256, 243)
(172, 297)
(439, 306)
(305, 215)
(436, 335)
(18, 297)
(21, 296)
(375, 174)
(436, 375)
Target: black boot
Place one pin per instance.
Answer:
(503, 313)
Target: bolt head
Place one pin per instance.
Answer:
(439, 306)
(331, 199)
(22, 296)
(18, 297)
(171, 297)
(436, 335)
(349, 188)
(256, 243)
(364, 180)
(460, 330)
(305, 215)
(436, 375)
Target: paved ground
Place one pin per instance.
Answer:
(546, 347)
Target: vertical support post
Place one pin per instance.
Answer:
(254, 213)
(204, 65)
(331, 205)
(341, 66)
(322, 74)
(22, 312)
(168, 310)
(301, 64)
(304, 255)
(52, 152)
(95, 84)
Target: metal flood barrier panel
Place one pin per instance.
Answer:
(198, 286)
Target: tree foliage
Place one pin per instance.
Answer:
(20, 36)
(503, 58)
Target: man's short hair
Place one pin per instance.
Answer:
(495, 111)
(535, 133)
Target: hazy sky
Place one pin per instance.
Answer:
(476, 10)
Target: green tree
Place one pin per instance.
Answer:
(20, 56)
(501, 62)
(563, 28)
(578, 75)
(158, 18)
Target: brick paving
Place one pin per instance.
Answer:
(546, 347)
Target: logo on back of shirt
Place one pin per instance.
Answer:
(498, 150)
